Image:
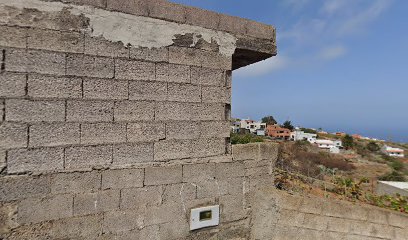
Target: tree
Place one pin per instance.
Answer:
(373, 147)
(288, 125)
(348, 141)
(269, 120)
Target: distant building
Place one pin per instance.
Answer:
(340, 134)
(392, 152)
(260, 132)
(235, 127)
(328, 144)
(357, 136)
(252, 125)
(277, 131)
(299, 135)
(392, 188)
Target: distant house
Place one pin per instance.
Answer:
(392, 188)
(328, 144)
(299, 135)
(235, 127)
(357, 136)
(277, 131)
(252, 125)
(392, 152)
(340, 134)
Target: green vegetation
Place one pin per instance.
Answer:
(269, 120)
(245, 138)
(308, 130)
(393, 176)
(288, 124)
(348, 142)
(373, 147)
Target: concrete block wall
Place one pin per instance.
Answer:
(114, 119)
(279, 215)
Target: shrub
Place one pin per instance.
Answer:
(348, 141)
(373, 147)
(396, 165)
(393, 176)
(245, 138)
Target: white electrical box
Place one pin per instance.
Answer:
(204, 217)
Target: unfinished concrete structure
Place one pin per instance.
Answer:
(115, 118)
(115, 123)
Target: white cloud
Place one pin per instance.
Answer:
(332, 52)
(332, 6)
(262, 68)
(359, 21)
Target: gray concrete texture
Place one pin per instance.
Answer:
(114, 119)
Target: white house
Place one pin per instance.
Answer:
(299, 135)
(235, 127)
(333, 146)
(252, 125)
(392, 152)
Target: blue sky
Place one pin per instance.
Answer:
(341, 65)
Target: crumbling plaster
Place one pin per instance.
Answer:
(131, 30)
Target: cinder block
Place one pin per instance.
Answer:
(233, 24)
(145, 132)
(172, 73)
(13, 37)
(105, 89)
(3, 162)
(378, 216)
(101, 47)
(178, 193)
(315, 222)
(61, 41)
(20, 110)
(16, 60)
(269, 151)
(150, 54)
(132, 154)
(87, 227)
(202, 18)
(208, 189)
(91, 66)
(217, 94)
(77, 182)
(124, 178)
(229, 170)
(88, 157)
(54, 134)
(172, 149)
(45, 62)
(163, 175)
(134, 70)
(338, 209)
(182, 130)
(35, 210)
(291, 218)
(13, 135)
(198, 172)
(20, 187)
(175, 111)
(167, 11)
(128, 111)
(43, 86)
(206, 147)
(232, 208)
(184, 92)
(92, 203)
(398, 220)
(12, 84)
(164, 214)
(134, 7)
(207, 76)
(123, 221)
(216, 60)
(140, 90)
(175, 230)
(231, 186)
(338, 225)
(258, 168)
(312, 205)
(208, 112)
(246, 151)
(99, 133)
(2, 108)
(260, 30)
(228, 79)
(219, 129)
(35, 160)
(89, 111)
(185, 56)
(141, 197)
